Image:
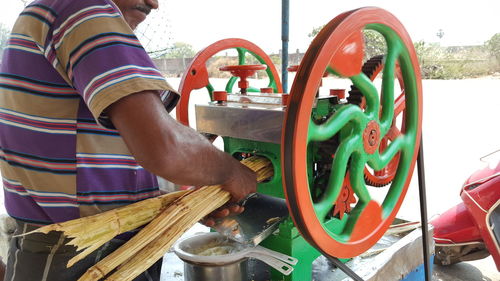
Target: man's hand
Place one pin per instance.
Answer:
(227, 210)
(242, 182)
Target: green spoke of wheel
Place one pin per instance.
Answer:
(394, 50)
(398, 182)
(253, 90)
(210, 90)
(337, 174)
(357, 167)
(336, 122)
(379, 161)
(365, 85)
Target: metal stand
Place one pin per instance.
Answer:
(285, 37)
(423, 209)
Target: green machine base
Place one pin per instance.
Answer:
(286, 239)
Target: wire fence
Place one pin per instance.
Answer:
(155, 32)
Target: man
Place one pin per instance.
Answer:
(84, 126)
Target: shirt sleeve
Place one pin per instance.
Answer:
(97, 53)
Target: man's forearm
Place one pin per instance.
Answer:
(164, 146)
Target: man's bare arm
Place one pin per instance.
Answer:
(173, 151)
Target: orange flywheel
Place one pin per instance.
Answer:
(358, 137)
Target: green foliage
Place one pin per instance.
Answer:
(459, 62)
(429, 57)
(180, 50)
(374, 44)
(438, 62)
(315, 31)
(493, 47)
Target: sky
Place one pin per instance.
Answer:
(201, 23)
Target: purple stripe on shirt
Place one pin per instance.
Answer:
(101, 62)
(25, 207)
(46, 145)
(84, 112)
(19, 62)
(95, 180)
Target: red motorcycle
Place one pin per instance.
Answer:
(471, 229)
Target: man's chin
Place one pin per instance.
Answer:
(135, 20)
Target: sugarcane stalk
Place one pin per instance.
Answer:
(89, 233)
(156, 249)
(169, 226)
(150, 254)
(171, 216)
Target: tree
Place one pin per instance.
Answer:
(315, 31)
(493, 47)
(180, 50)
(374, 44)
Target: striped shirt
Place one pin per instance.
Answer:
(61, 158)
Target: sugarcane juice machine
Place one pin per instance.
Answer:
(327, 150)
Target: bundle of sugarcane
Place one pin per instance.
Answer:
(154, 240)
(89, 233)
(173, 215)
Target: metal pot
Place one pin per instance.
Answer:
(230, 266)
(237, 271)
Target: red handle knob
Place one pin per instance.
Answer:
(220, 96)
(243, 71)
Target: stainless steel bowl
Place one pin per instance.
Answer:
(237, 271)
(210, 268)
(230, 265)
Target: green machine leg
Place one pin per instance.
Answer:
(288, 241)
